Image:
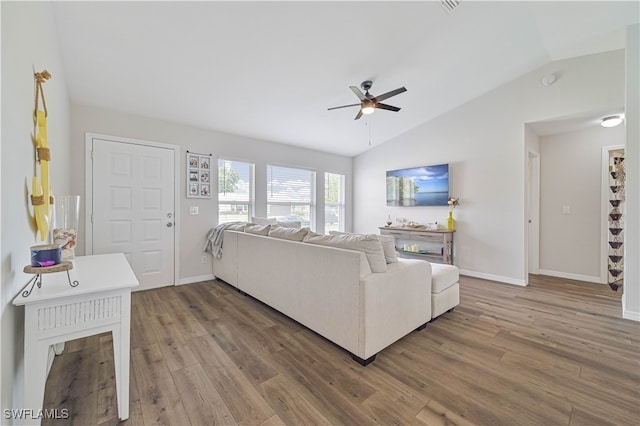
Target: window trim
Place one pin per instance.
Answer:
(340, 204)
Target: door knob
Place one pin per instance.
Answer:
(169, 224)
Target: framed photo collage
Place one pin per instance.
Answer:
(198, 175)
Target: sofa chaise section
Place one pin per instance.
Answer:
(445, 289)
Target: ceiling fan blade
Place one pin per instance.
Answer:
(343, 106)
(387, 107)
(359, 114)
(389, 94)
(358, 93)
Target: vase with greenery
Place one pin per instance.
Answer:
(451, 222)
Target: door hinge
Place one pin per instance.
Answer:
(91, 217)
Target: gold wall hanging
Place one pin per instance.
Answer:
(41, 197)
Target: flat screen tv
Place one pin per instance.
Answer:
(418, 186)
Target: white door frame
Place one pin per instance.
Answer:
(604, 212)
(89, 137)
(532, 212)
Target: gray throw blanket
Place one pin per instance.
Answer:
(213, 243)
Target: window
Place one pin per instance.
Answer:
(333, 202)
(290, 194)
(235, 191)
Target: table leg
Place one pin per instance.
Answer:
(35, 375)
(121, 355)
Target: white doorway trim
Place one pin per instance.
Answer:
(604, 211)
(89, 137)
(532, 214)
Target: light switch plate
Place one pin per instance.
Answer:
(193, 210)
(566, 209)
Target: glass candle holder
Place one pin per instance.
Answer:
(65, 228)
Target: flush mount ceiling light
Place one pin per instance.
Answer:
(611, 121)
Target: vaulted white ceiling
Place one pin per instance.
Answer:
(270, 70)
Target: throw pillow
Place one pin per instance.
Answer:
(389, 248)
(369, 244)
(236, 227)
(388, 245)
(290, 224)
(312, 234)
(291, 234)
(253, 228)
(263, 220)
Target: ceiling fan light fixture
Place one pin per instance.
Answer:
(367, 109)
(611, 121)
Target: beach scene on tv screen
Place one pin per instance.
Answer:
(418, 186)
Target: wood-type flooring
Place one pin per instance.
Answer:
(554, 353)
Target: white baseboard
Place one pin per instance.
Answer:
(569, 276)
(192, 280)
(491, 277)
(626, 314)
(634, 316)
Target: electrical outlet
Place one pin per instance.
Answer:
(204, 259)
(193, 210)
(566, 209)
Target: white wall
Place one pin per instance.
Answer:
(29, 44)
(631, 290)
(483, 141)
(571, 175)
(193, 229)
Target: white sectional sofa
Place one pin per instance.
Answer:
(331, 290)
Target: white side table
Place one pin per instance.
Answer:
(57, 312)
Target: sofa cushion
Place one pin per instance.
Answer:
(388, 245)
(253, 228)
(236, 227)
(443, 277)
(263, 220)
(285, 233)
(290, 224)
(369, 244)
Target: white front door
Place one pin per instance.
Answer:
(133, 208)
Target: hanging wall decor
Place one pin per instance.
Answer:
(616, 222)
(198, 175)
(41, 196)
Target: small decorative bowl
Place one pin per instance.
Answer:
(46, 255)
